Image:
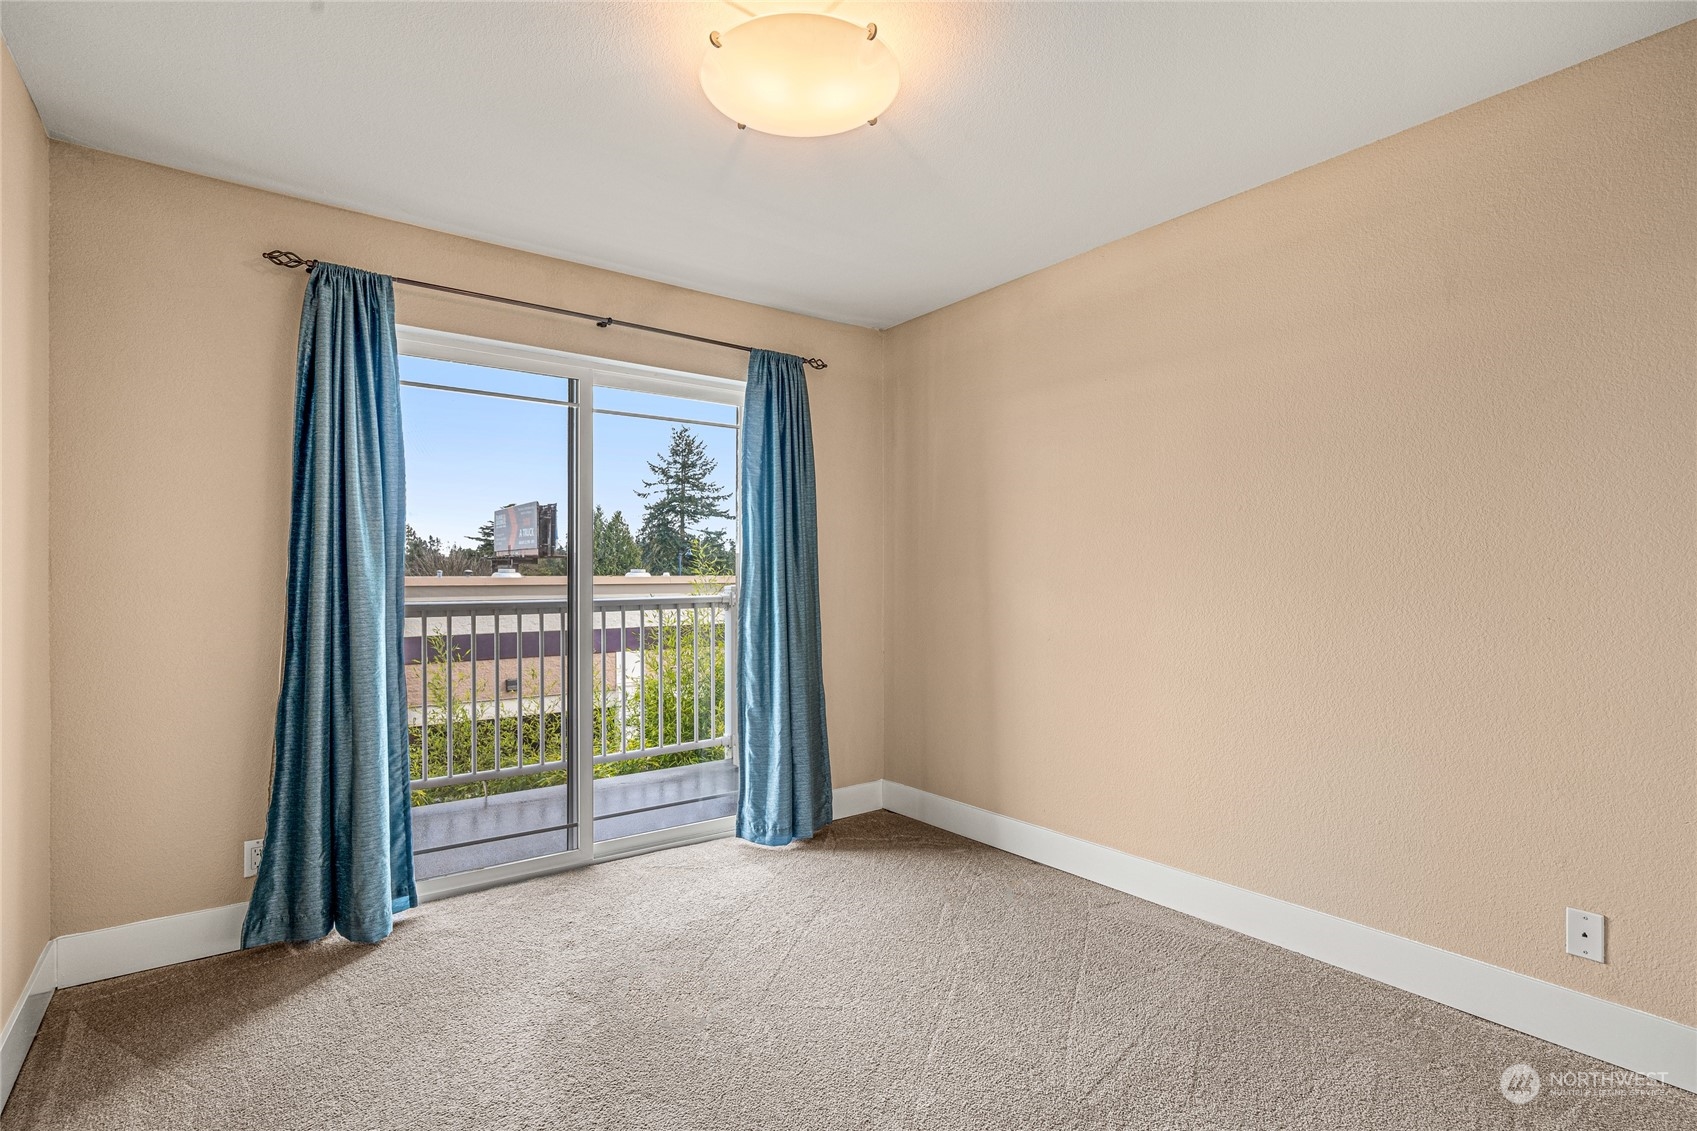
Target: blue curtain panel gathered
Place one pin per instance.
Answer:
(786, 760)
(338, 838)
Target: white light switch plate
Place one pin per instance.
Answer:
(1585, 934)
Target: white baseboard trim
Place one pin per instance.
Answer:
(93, 956)
(26, 1017)
(853, 800)
(1614, 1033)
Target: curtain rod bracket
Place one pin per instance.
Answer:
(290, 260)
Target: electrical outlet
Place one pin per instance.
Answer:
(251, 850)
(1585, 934)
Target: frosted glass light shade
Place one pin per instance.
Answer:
(799, 74)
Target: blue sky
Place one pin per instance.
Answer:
(468, 454)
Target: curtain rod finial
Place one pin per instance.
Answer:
(814, 363)
(289, 259)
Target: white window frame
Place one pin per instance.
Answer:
(440, 345)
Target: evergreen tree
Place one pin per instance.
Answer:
(680, 497)
(483, 541)
(616, 551)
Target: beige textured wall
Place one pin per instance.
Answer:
(1337, 541)
(24, 771)
(173, 370)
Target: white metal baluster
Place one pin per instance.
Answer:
(624, 707)
(571, 641)
(518, 684)
(713, 667)
(659, 681)
(436, 666)
(642, 685)
(540, 719)
(522, 762)
(606, 687)
(695, 671)
(518, 642)
(565, 676)
(541, 699)
(598, 654)
(541, 690)
(448, 669)
(474, 691)
(660, 685)
(423, 769)
(542, 684)
(542, 646)
(424, 689)
(518, 690)
(677, 674)
(731, 720)
(660, 678)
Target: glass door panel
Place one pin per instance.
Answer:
(664, 632)
(495, 488)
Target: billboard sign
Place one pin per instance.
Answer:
(524, 530)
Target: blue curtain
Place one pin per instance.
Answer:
(338, 840)
(786, 761)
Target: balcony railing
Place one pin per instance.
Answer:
(488, 680)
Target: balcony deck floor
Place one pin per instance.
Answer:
(443, 834)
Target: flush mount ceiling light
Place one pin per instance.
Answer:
(800, 74)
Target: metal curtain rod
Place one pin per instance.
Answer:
(291, 260)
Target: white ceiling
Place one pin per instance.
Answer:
(1024, 133)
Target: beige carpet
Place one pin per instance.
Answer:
(886, 976)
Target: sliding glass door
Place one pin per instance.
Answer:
(570, 628)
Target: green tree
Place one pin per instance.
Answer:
(616, 551)
(483, 539)
(681, 496)
(710, 555)
(428, 555)
(422, 552)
